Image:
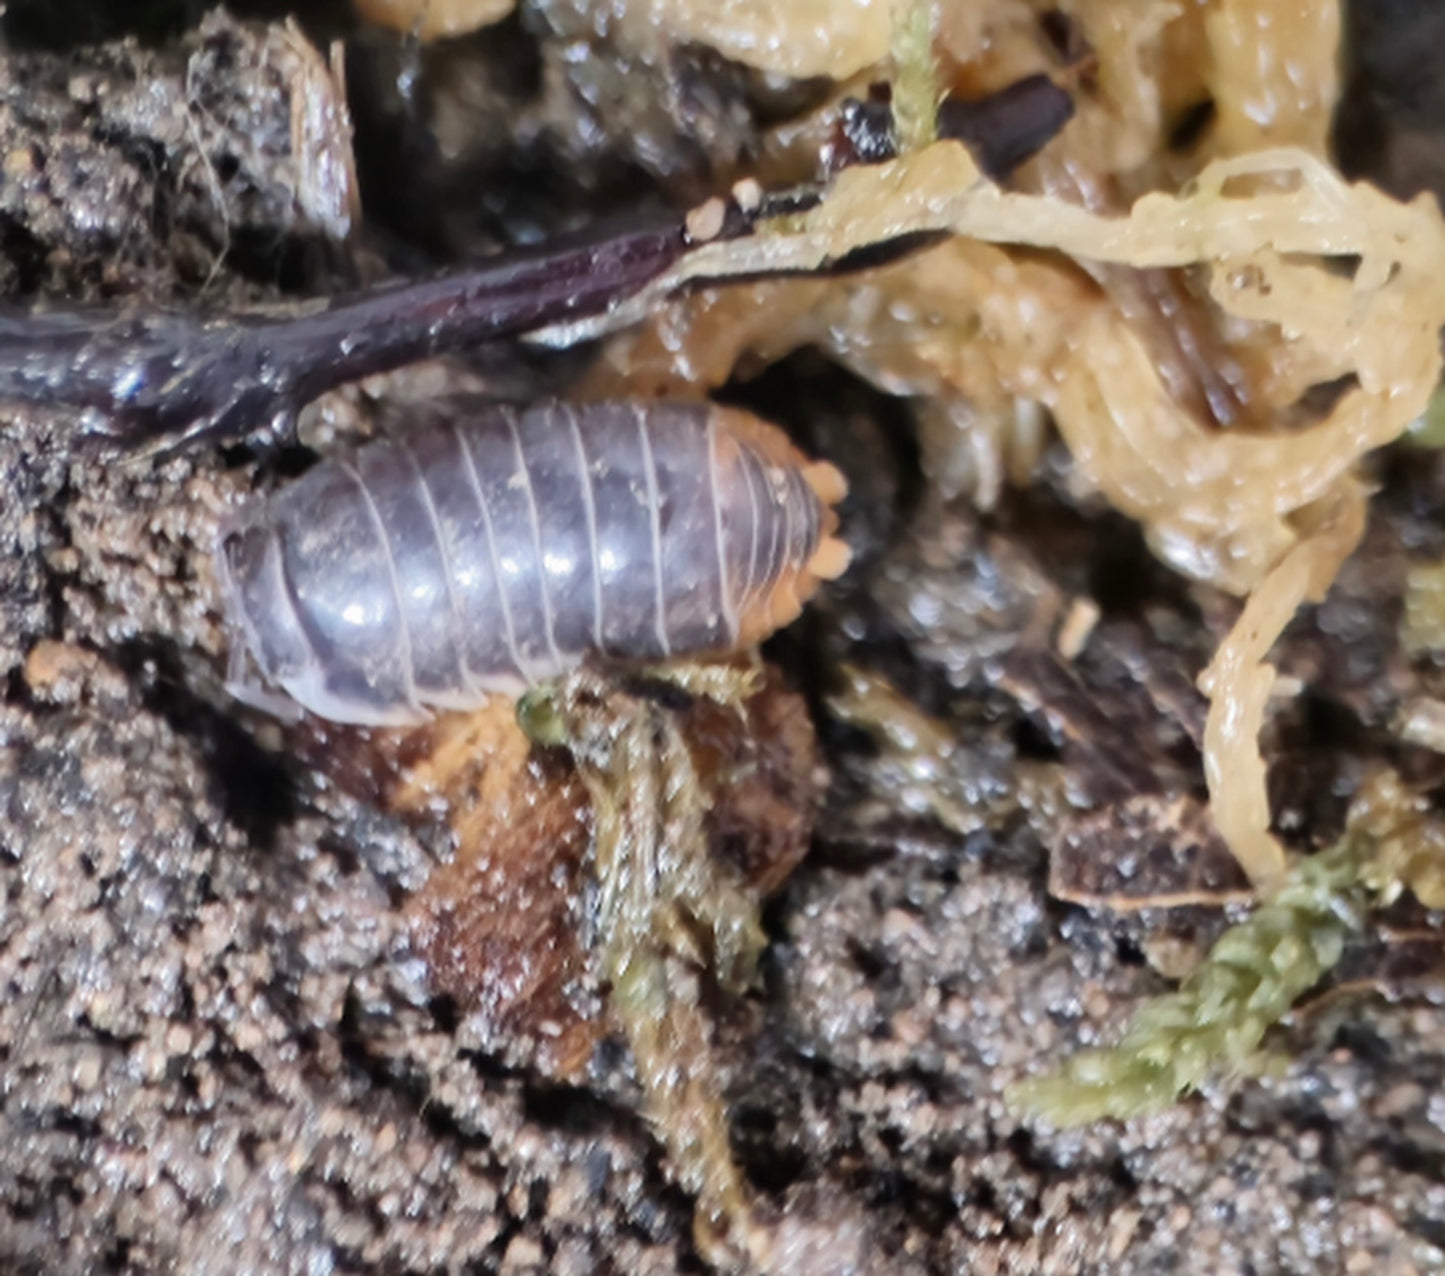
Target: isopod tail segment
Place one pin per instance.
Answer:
(782, 601)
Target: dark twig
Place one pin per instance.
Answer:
(168, 379)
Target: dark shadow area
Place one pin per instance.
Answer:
(256, 788)
(1390, 124)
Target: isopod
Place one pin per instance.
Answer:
(499, 547)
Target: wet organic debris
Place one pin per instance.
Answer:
(917, 760)
(231, 143)
(203, 936)
(1149, 851)
(1131, 434)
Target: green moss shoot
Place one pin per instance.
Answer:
(1217, 1019)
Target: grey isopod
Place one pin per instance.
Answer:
(506, 545)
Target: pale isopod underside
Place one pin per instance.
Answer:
(491, 548)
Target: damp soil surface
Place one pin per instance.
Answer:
(219, 1050)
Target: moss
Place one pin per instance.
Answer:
(1422, 630)
(915, 75)
(1214, 1023)
(668, 916)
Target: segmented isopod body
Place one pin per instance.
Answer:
(498, 547)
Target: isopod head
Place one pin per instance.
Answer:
(266, 626)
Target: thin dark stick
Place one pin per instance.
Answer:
(168, 379)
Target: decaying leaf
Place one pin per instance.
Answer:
(1147, 852)
(500, 927)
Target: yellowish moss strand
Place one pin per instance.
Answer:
(666, 911)
(1411, 843)
(915, 75)
(1422, 630)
